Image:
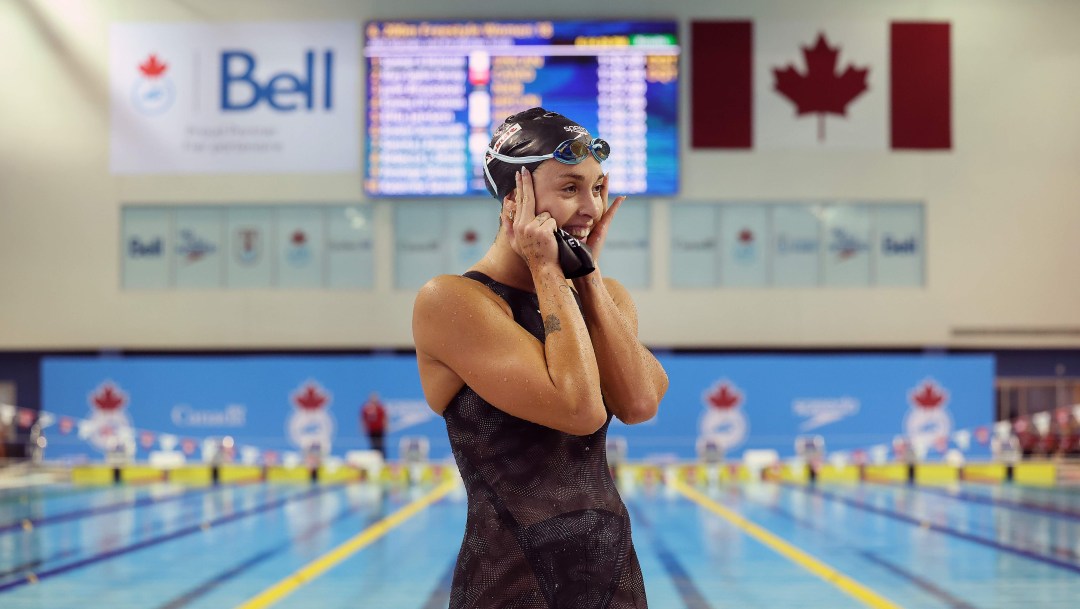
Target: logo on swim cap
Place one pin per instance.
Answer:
(511, 130)
(578, 129)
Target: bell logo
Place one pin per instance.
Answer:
(283, 91)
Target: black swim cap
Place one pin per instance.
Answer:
(533, 132)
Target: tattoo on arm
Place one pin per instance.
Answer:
(552, 324)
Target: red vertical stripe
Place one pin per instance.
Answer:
(921, 86)
(721, 101)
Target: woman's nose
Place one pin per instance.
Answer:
(591, 206)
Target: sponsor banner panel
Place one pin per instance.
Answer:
(146, 235)
(847, 237)
(199, 240)
(420, 243)
(626, 253)
(248, 247)
(802, 244)
(190, 98)
(694, 246)
(250, 262)
(855, 403)
(277, 404)
(901, 254)
(350, 247)
(431, 238)
(797, 246)
(743, 242)
(299, 246)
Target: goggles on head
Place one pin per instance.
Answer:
(570, 152)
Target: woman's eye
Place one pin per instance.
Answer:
(598, 188)
(571, 189)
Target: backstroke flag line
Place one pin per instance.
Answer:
(842, 85)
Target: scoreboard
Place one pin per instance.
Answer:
(437, 90)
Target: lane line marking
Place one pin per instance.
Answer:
(849, 586)
(691, 595)
(940, 528)
(324, 563)
(33, 578)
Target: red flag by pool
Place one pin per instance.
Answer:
(772, 85)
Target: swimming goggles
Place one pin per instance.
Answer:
(570, 152)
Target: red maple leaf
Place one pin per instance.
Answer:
(469, 236)
(298, 238)
(109, 398)
(928, 395)
(821, 90)
(310, 397)
(153, 68)
(982, 435)
(66, 425)
(724, 395)
(746, 236)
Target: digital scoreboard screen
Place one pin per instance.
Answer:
(437, 90)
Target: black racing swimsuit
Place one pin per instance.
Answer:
(546, 527)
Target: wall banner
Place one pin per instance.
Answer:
(854, 402)
(234, 97)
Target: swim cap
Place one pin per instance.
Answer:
(533, 132)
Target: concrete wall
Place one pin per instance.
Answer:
(1001, 208)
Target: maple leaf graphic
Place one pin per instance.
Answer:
(724, 396)
(929, 395)
(109, 398)
(821, 90)
(152, 68)
(311, 397)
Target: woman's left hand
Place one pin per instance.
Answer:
(598, 234)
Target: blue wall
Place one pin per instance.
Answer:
(749, 401)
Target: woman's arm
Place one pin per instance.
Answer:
(632, 380)
(461, 327)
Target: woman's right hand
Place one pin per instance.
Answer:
(532, 236)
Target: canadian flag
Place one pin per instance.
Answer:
(843, 84)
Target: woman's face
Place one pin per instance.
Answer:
(571, 194)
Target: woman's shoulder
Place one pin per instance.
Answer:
(449, 293)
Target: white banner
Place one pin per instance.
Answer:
(234, 98)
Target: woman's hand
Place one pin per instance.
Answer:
(598, 234)
(531, 236)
